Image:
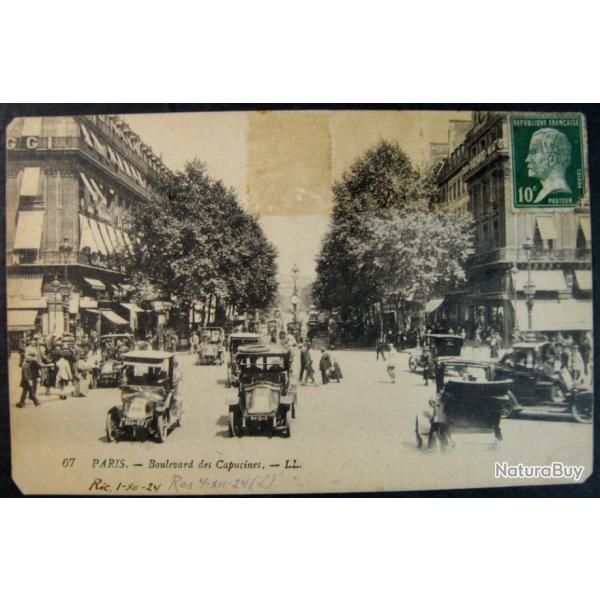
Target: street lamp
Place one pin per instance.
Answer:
(65, 249)
(514, 272)
(54, 290)
(530, 287)
(295, 273)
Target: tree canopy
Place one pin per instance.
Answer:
(384, 240)
(195, 241)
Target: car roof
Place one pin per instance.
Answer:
(530, 344)
(467, 362)
(260, 350)
(211, 328)
(146, 356)
(444, 336)
(241, 336)
(116, 335)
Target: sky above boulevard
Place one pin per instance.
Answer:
(282, 164)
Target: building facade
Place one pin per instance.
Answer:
(70, 186)
(477, 176)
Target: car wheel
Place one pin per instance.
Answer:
(112, 426)
(161, 428)
(582, 409)
(413, 363)
(235, 422)
(556, 394)
(508, 406)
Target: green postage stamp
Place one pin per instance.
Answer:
(547, 154)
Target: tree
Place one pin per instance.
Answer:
(383, 241)
(194, 242)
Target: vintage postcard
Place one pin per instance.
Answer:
(307, 301)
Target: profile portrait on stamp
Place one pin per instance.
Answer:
(548, 159)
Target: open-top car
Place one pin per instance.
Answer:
(149, 400)
(112, 347)
(469, 399)
(436, 345)
(212, 346)
(540, 385)
(236, 340)
(266, 395)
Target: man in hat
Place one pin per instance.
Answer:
(28, 380)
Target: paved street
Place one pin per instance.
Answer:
(354, 436)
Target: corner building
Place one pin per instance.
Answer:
(477, 177)
(70, 186)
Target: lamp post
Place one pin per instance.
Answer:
(295, 273)
(65, 249)
(530, 287)
(514, 272)
(55, 290)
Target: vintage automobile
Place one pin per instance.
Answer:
(469, 399)
(149, 400)
(538, 386)
(108, 371)
(438, 345)
(266, 397)
(212, 347)
(235, 341)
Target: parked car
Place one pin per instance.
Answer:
(149, 399)
(266, 396)
(212, 348)
(469, 399)
(235, 341)
(437, 345)
(538, 386)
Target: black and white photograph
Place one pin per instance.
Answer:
(307, 301)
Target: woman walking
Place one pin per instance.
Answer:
(64, 375)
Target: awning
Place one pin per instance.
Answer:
(113, 238)
(21, 320)
(546, 227)
(87, 302)
(32, 126)
(128, 241)
(25, 286)
(131, 307)
(29, 230)
(90, 188)
(98, 237)
(99, 192)
(74, 303)
(584, 280)
(544, 281)
(98, 145)
(113, 317)
(555, 315)
(433, 304)
(95, 283)
(112, 156)
(586, 228)
(30, 182)
(86, 235)
(86, 135)
(106, 236)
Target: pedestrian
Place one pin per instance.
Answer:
(428, 365)
(64, 374)
(494, 344)
(335, 372)
(47, 375)
(309, 373)
(194, 341)
(578, 368)
(304, 358)
(83, 369)
(439, 428)
(325, 365)
(380, 347)
(391, 364)
(28, 382)
(477, 338)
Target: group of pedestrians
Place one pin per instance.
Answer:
(56, 363)
(328, 366)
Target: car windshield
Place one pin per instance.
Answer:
(263, 399)
(524, 357)
(145, 374)
(470, 373)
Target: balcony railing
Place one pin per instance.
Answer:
(75, 258)
(519, 255)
